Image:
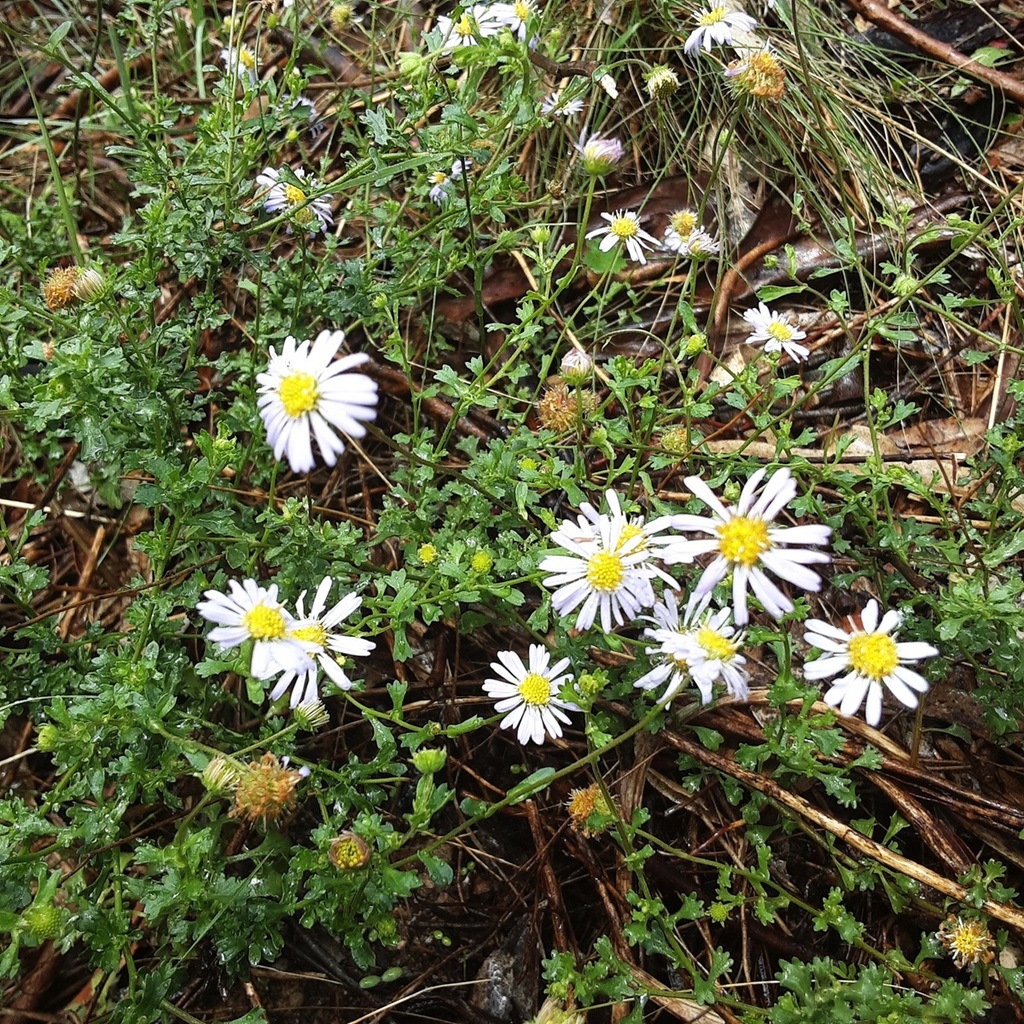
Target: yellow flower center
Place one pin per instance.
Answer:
(315, 634)
(623, 228)
(247, 59)
(780, 331)
(632, 538)
(439, 177)
(535, 690)
(605, 571)
(742, 539)
(264, 623)
(299, 393)
(294, 195)
(873, 654)
(684, 221)
(712, 17)
(464, 27)
(718, 647)
(522, 9)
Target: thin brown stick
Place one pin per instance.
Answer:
(1012, 916)
(878, 14)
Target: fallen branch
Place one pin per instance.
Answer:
(878, 14)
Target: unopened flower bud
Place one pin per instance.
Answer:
(429, 760)
(576, 367)
(47, 737)
(221, 775)
(600, 155)
(311, 715)
(661, 82)
(89, 284)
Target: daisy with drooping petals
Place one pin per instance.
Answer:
(441, 183)
(702, 647)
(249, 612)
(530, 694)
(315, 632)
(871, 658)
(623, 228)
(555, 105)
(745, 543)
(609, 567)
(240, 63)
(303, 393)
(716, 25)
(312, 215)
(777, 333)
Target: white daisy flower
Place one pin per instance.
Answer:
(686, 236)
(240, 63)
(315, 632)
(623, 228)
(302, 392)
(530, 694)
(716, 24)
(870, 656)
(777, 333)
(475, 23)
(745, 543)
(702, 647)
(609, 566)
(441, 183)
(249, 612)
(555, 106)
(313, 215)
(514, 16)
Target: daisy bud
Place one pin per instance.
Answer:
(59, 289)
(429, 760)
(904, 285)
(47, 737)
(576, 367)
(221, 775)
(600, 155)
(89, 284)
(349, 852)
(608, 84)
(311, 715)
(44, 921)
(413, 67)
(695, 344)
(661, 82)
